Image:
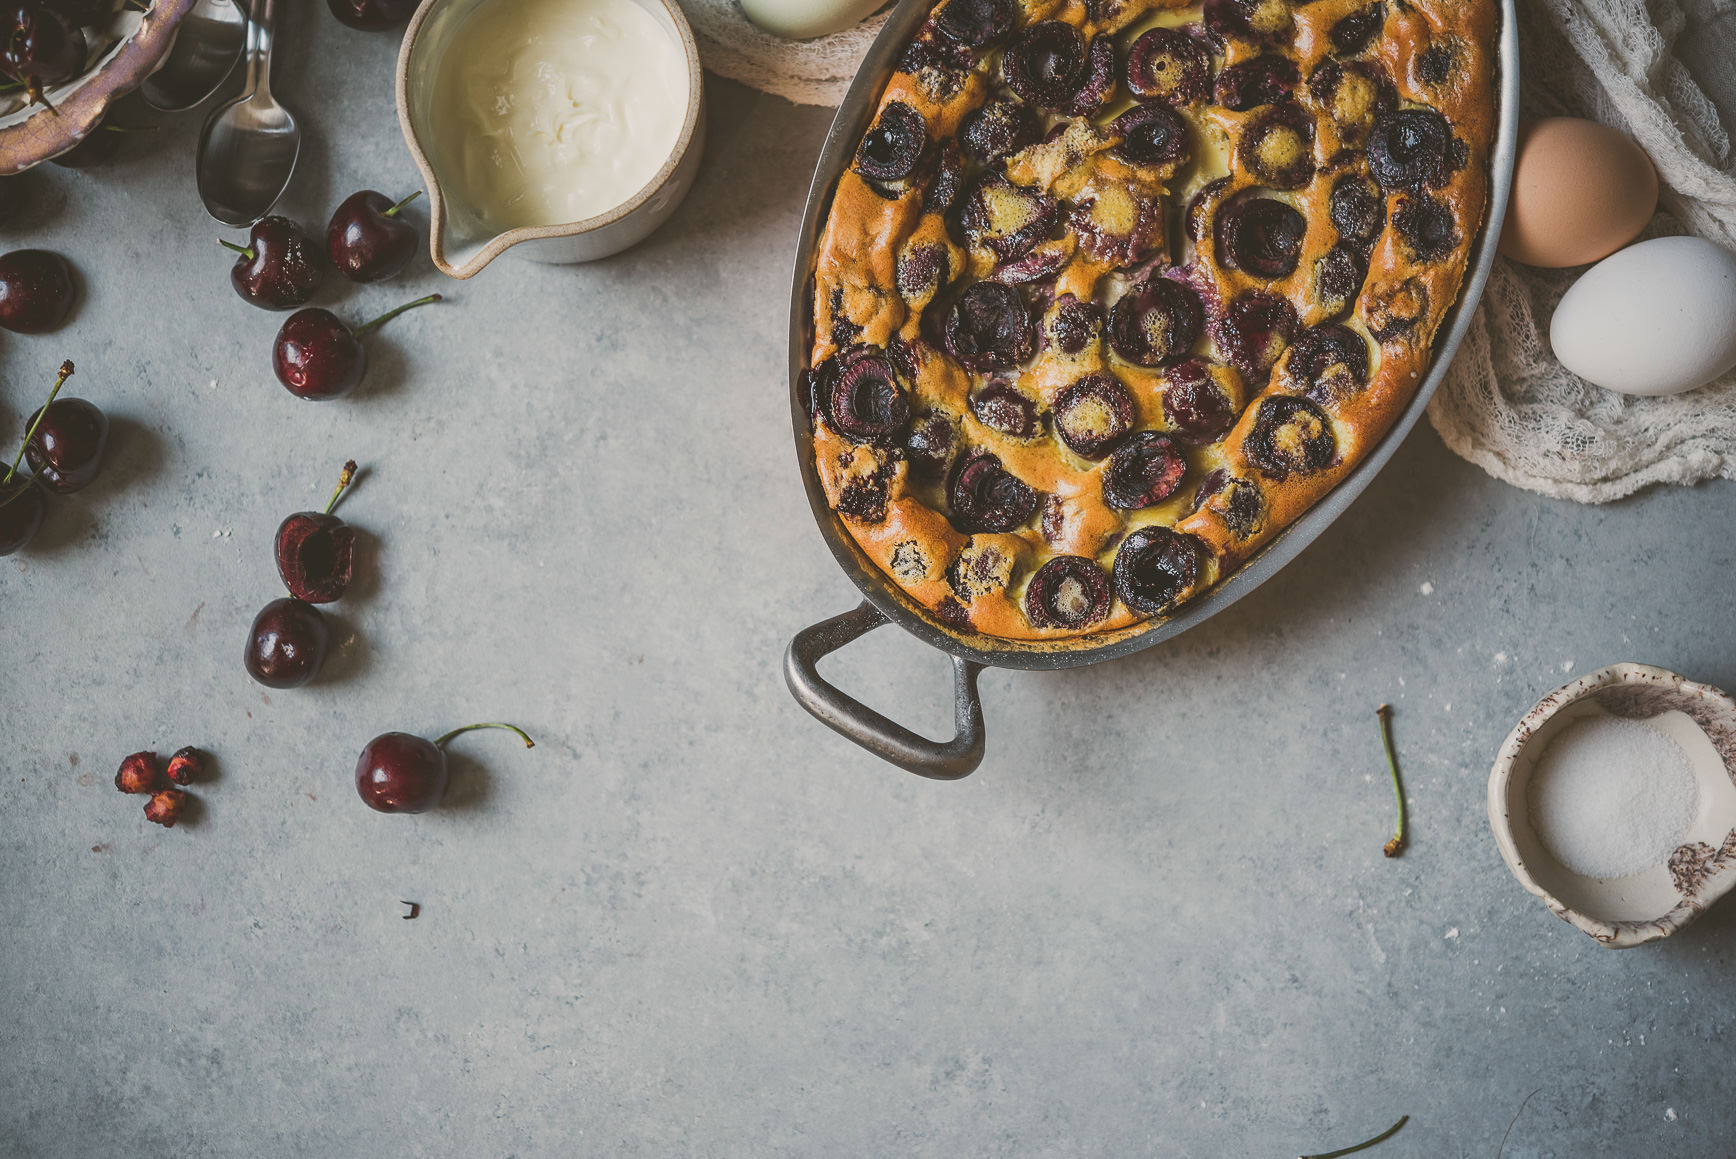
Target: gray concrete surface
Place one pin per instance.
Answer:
(692, 921)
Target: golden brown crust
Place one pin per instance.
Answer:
(894, 257)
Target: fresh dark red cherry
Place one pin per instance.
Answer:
(39, 47)
(400, 773)
(36, 291)
(65, 453)
(372, 15)
(22, 502)
(318, 358)
(286, 644)
(278, 268)
(22, 506)
(316, 550)
(368, 240)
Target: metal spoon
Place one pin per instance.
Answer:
(248, 148)
(207, 45)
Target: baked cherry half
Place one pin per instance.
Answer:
(892, 149)
(1410, 148)
(278, 268)
(1327, 363)
(858, 393)
(1166, 64)
(998, 129)
(978, 23)
(1151, 135)
(316, 550)
(988, 327)
(1050, 65)
(1264, 80)
(1146, 469)
(984, 496)
(1254, 332)
(1357, 209)
(1155, 568)
(1269, 21)
(1196, 403)
(1155, 322)
(1353, 33)
(1069, 591)
(367, 239)
(318, 358)
(1003, 407)
(287, 644)
(401, 773)
(1291, 436)
(1261, 236)
(1093, 414)
(36, 290)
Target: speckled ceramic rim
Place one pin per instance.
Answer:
(852, 119)
(79, 111)
(502, 242)
(1657, 689)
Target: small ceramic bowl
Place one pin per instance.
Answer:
(1627, 911)
(121, 57)
(460, 245)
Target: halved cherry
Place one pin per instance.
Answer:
(1353, 95)
(1395, 309)
(1338, 277)
(1236, 501)
(864, 401)
(1357, 209)
(863, 491)
(984, 496)
(1155, 322)
(1069, 591)
(1196, 403)
(921, 272)
(1151, 135)
(1093, 414)
(316, 550)
(988, 327)
(1254, 331)
(1117, 224)
(1327, 363)
(1073, 325)
(892, 149)
(947, 185)
(1042, 262)
(1291, 436)
(1260, 235)
(997, 130)
(981, 569)
(933, 443)
(1001, 406)
(1201, 210)
(1410, 148)
(1146, 469)
(1264, 80)
(1353, 33)
(1267, 21)
(1050, 65)
(1167, 64)
(1278, 147)
(978, 23)
(1007, 219)
(1155, 569)
(1426, 224)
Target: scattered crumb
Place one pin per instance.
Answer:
(310, 796)
(1669, 1114)
(1428, 589)
(86, 779)
(194, 618)
(213, 384)
(1453, 934)
(1567, 665)
(415, 909)
(265, 700)
(103, 848)
(74, 759)
(1501, 657)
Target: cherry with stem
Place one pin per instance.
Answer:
(317, 357)
(401, 773)
(315, 549)
(23, 502)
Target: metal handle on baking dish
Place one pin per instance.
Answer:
(886, 739)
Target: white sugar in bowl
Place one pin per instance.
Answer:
(1655, 318)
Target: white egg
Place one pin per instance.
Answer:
(1655, 318)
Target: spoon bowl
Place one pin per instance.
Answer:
(207, 45)
(248, 148)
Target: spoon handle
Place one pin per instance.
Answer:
(261, 23)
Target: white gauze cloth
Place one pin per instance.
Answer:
(1651, 68)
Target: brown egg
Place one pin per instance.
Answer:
(1581, 191)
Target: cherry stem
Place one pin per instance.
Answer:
(366, 327)
(245, 251)
(1366, 1144)
(343, 482)
(393, 212)
(528, 743)
(1396, 843)
(65, 373)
